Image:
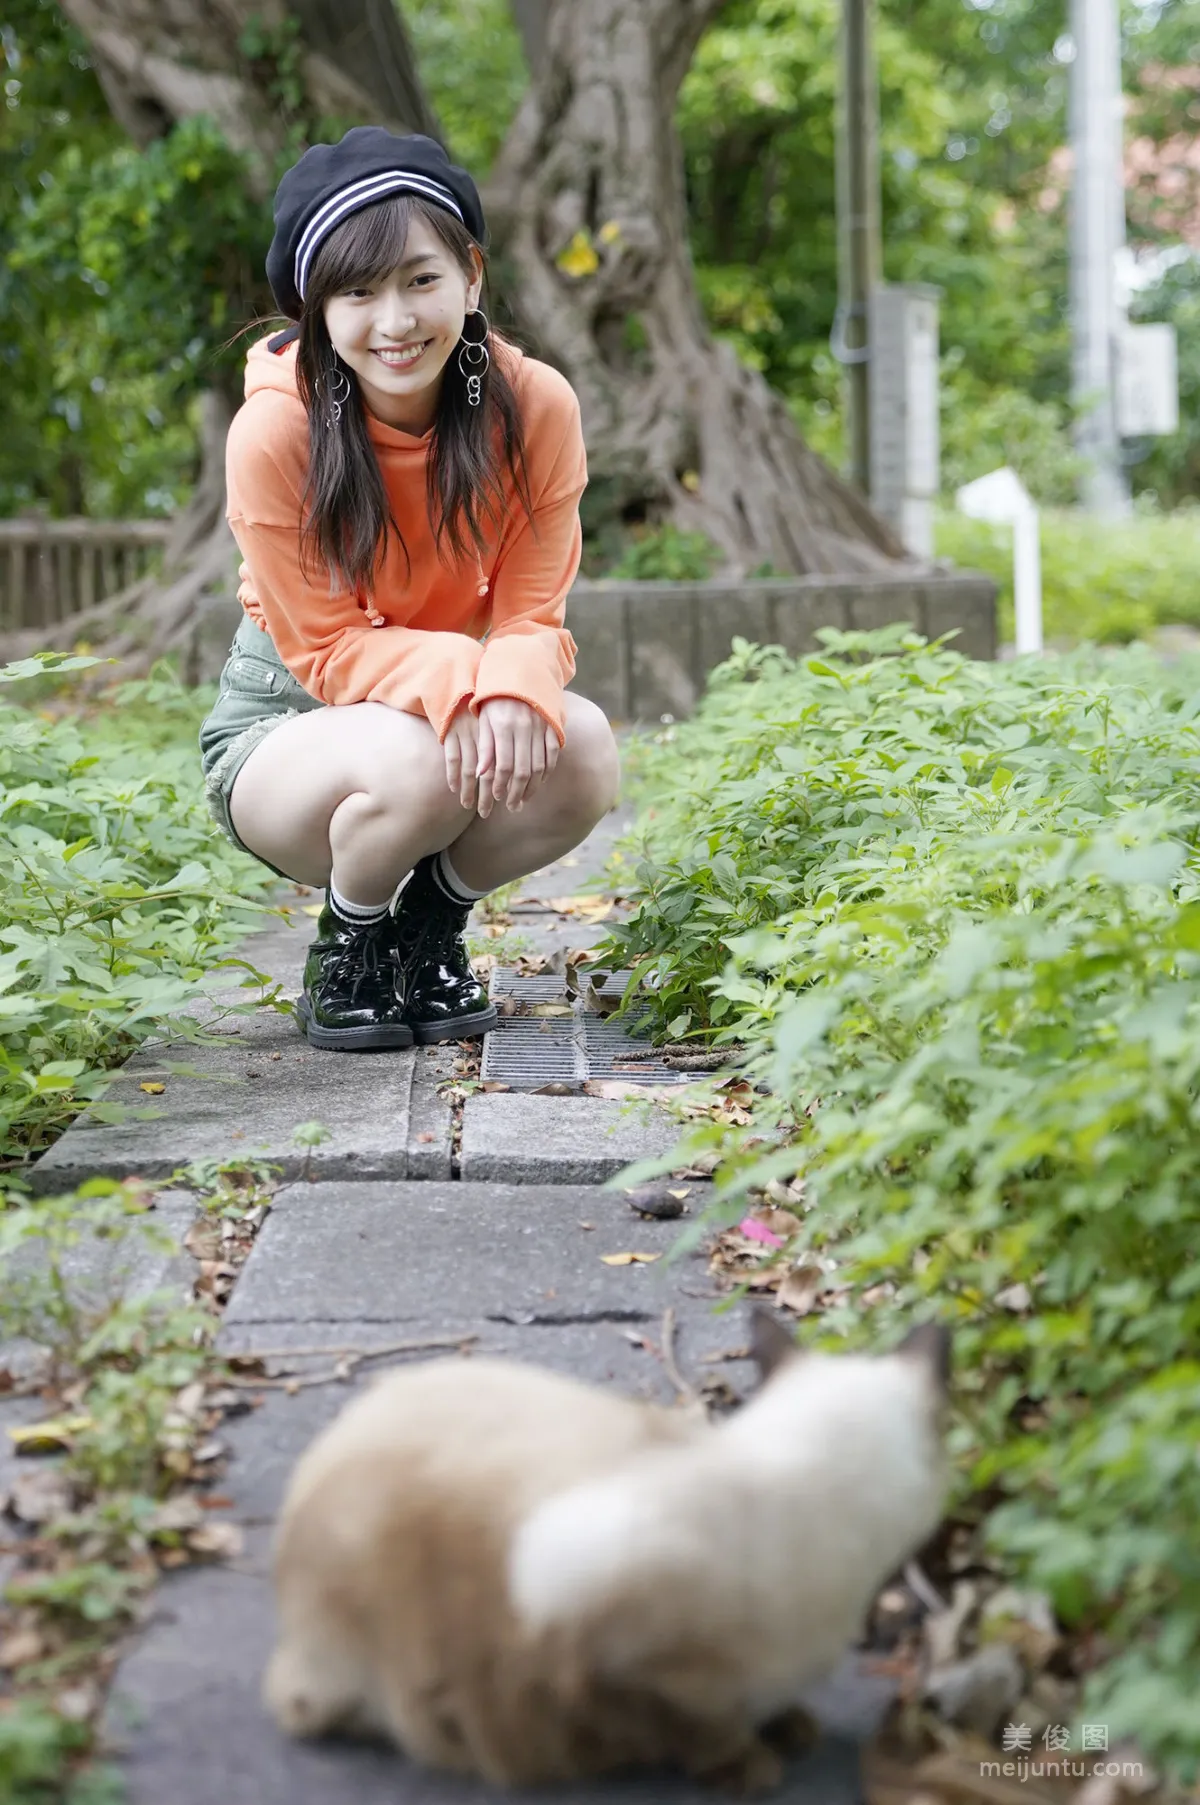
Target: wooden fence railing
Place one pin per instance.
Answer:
(53, 569)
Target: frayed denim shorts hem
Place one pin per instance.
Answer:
(257, 693)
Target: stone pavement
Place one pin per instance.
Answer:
(410, 1229)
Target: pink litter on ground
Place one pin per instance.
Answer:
(758, 1231)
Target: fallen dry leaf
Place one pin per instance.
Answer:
(800, 1287)
(731, 1115)
(942, 1629)
(203, 1240)
(77, 1703)
(584, 907)
(597, 1004)
(630, 1259)
(981, 1692)
(222, 1540)
(552, 1009)
(152, 1090)
(20, 1648)
(1025, 1619)
(618, 1089)
(50, 1437)
(739, 1088)
(41, 1495)
(780, 1222)
(175, 1515)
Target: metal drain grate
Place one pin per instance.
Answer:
(528, 1051)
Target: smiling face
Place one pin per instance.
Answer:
(398, 331)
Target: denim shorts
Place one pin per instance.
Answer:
(257, 692)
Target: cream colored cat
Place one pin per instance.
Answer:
(519, 1576)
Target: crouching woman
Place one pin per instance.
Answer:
(404, 488)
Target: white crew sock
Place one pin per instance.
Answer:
(450, 884)
(359, 915)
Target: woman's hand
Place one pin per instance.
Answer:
(461, 746)
(517, 752)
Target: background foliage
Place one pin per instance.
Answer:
(125, 273)
(1106, 581)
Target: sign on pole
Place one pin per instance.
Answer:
(1002, 498)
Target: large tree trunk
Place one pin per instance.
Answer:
(161, 61)
(678, 428)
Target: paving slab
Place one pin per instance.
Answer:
(447, 1256)
(266, 1442)
(430, 1122)
(527, 1139)
(260, 1081)
(185, 1716)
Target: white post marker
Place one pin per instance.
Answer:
(1002, 498)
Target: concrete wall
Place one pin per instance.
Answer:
(646, 648)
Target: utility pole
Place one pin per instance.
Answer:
(859, 258)
(1097, 231)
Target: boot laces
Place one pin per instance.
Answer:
(359, 957)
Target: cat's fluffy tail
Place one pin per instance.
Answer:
(577, 1552)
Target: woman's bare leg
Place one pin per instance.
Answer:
(359, 793)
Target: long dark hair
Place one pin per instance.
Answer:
(346, 518)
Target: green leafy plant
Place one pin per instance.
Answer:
(953, 912)
(665, 554)
(306, 1138)
(118, 898)
(124, 1387)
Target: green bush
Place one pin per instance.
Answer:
(953, 911)
(665, 554)
(117, 895)
(1104, 583)
(982, 428)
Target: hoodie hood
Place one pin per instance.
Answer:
(267, 369)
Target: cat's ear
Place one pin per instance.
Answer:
(929, 1343)
(770, 1343)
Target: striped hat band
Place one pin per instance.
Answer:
(360, 194)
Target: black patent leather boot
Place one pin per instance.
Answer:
(353, 997)
(443, 999)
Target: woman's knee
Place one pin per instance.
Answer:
(363, 761)
(589, 765)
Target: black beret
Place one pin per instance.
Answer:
(331, 181)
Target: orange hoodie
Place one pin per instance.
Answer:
(416, 643)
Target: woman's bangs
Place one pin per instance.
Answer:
(365, 249)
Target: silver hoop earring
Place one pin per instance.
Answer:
(474, 360)
(337, 397)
